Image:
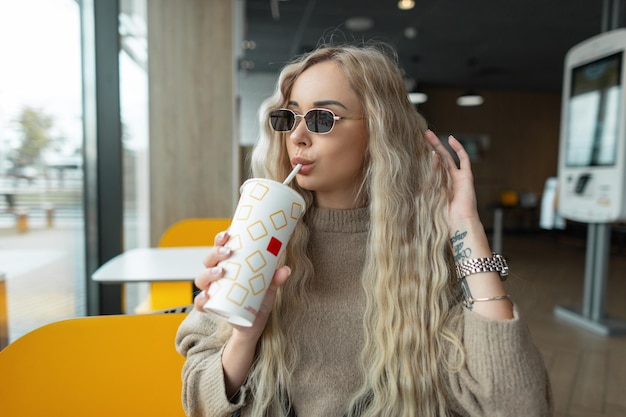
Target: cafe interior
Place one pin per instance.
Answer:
(98, 255)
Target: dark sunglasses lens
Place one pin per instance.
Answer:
(282, 120)
(319, 121)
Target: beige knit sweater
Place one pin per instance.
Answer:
(504, 374)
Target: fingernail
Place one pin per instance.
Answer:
(223, 250)
(288, 271)
(220, 235)
(216, 270)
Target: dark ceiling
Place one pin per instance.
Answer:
(493, 44)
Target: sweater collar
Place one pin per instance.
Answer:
(334, 220)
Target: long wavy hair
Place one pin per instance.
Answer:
(407, 277)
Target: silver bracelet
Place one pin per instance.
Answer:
(497, 263)
(469, 301)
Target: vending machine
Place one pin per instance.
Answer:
(592, 152)
(592, 161)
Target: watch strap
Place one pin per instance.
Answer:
(496, 263)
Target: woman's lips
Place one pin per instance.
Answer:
(306, 168)
(307, 165)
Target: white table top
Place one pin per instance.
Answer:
(153, 264)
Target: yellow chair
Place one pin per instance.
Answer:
(99, 366)
(193, 232)
(188, 232)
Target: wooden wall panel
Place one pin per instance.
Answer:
(193, 151)
(524, 132)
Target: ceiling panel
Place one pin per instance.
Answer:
(497, 44)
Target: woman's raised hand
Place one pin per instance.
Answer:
(463, 205)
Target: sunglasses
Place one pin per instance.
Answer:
(316, 120)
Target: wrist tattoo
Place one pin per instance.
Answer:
(461, 252)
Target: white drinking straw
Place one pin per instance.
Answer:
(292, 174)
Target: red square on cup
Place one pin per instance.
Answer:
(274, 246)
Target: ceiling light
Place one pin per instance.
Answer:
(248, 44)
(245, 64)
(418, 97)
(359, 23)
(410, 32)
(470, 98)
(406, 4)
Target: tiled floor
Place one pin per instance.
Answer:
(587, 371)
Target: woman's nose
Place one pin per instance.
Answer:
(300, 135)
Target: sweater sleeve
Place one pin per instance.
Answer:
(204, 389)
(504, 373)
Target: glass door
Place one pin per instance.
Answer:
(41, 176)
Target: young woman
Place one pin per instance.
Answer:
(390, 302)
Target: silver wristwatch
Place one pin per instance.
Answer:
(497, 263)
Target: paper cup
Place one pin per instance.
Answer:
(264, 220)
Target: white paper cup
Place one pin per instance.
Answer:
(264, 220)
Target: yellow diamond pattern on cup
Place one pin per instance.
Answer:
(237, 294)
(231, 270)
(234, 242)
(257, 283)
(256, 261)
(296, 210)
(259, 191)
(279, 219)
(257, 230)
(243, 212)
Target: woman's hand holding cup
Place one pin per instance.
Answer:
(213, 273)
